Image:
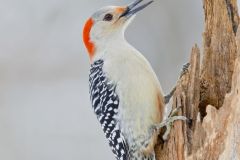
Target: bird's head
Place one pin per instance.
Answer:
(107, 24)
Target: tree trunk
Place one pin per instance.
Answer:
(209, 95)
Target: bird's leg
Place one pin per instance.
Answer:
(169, 96)
(169, 122)
(183, 72)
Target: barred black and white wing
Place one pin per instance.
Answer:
(105, 103)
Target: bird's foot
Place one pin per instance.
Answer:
(168, 123)
(184, 70)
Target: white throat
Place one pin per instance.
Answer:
(114, 43)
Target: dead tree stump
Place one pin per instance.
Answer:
(209, 93)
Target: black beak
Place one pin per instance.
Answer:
(131, 10)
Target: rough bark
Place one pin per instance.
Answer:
(209, 95)
(221, 21)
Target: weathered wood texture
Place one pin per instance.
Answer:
(221, 22)
(209, 95)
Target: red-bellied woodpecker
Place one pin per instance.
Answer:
(125, 92)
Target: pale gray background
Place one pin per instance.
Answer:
(45, 112)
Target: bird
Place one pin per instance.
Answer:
(125, 92)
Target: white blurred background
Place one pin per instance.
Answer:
(45, 111)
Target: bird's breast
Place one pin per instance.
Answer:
(139, 92)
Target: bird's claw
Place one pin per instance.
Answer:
(185, 69)
(174, 112)
(168, 123)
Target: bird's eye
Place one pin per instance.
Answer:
(108, 17)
